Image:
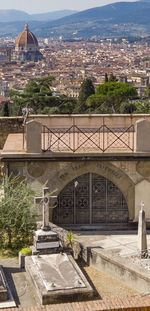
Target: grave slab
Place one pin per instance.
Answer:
(57, 278)
(3, 288)
(6, 298)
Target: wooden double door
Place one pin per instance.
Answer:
(90, 199)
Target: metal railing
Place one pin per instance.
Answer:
(77, 139)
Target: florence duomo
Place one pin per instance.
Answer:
(26, 47)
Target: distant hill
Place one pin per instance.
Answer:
(13, 15)
(16, 15)
(51, 15)
(119, 19)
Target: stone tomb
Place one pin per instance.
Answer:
(46, 242)
(57, 278)
(3, 287)
(6, 298)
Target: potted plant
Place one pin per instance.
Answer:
(22, 254)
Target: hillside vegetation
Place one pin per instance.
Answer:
(114, 20)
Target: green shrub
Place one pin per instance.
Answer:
(26, 251)
(17, 213)
(70, 238)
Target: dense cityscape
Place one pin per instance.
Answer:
(72, 62)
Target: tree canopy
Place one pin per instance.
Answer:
(110, 95)
(17, 219)
(37, 95)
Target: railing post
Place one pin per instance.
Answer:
(74, 134)
(23, 143)
(133, 133)
(103, 135)
(43, 134)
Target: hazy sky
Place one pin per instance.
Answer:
(39, 6)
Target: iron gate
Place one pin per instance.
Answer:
(90, 199)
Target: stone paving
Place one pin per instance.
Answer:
(117, 254)
(124, 241)
(21, 287)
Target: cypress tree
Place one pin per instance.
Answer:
(86, 89)
(5, 110)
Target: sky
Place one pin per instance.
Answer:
(41, 6)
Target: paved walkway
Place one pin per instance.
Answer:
(124, 241)
(21, 287)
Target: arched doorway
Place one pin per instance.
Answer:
(90, 199)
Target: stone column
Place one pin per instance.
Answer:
(142, 238)
(142, 135)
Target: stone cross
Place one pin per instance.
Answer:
(47, 201)
(142, 238)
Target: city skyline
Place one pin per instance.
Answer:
(38, 6)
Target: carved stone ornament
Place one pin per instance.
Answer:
(36, 169)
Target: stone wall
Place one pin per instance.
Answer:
(131, 177)
(56, 175)
(14, 124)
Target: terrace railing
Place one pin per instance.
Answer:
(77, 139)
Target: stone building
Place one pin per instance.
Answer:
(27, 48)
(99, 166)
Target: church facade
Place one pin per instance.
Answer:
(98, 166)
(27, 48)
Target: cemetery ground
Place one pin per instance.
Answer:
(106, 286)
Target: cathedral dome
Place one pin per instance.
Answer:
(26, 38)
(27, 48)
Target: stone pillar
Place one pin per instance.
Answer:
(143, 135)
(33, 136)
(142, 239)
(142, 190)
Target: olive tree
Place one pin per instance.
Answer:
(17, 216)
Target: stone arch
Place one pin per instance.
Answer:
(106, 169)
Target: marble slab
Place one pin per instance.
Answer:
(3, 288)
(57, 272)
(9, 302)
(57, 278)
